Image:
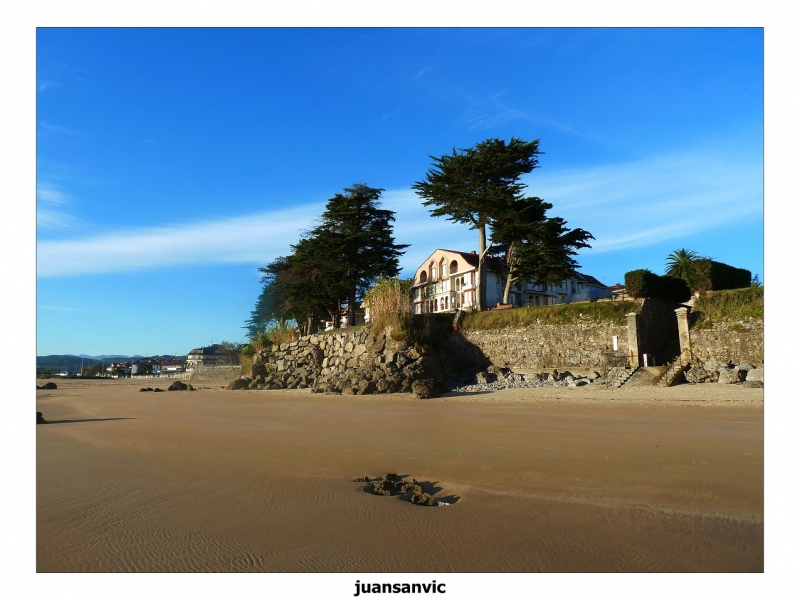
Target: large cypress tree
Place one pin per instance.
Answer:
(337, 261)
(536, 247)
(475, 185)
(358, 240)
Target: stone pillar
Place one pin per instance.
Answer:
(633, 339)
(683, 333)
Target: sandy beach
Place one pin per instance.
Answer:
(536, 480)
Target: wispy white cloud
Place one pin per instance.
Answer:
(629, 205)
(48, 193)
(256, 238)
(42, 85)
(50, 213)
(54, 219)
(491, 111)
(643, 202)
(424, 71)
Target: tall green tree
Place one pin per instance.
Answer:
(474, 185)
(536, 247)
(333, 264)
(679, 262)
(305, 287)
(358, 240)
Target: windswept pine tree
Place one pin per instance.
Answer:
(333, 264)
(536, 247)
(473, 185)
(481, 187)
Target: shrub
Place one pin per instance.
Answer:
(643, 283)
(705, 275)
(640, 283)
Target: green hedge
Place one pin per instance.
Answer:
(643, 283)
(705, 275)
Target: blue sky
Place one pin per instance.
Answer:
(171, 163)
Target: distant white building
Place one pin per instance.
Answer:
(207, 355)
(446, 282)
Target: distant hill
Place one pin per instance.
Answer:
(72, 362)
(108, 356)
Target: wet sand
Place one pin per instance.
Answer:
(562, 480)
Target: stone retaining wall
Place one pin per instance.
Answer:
(215, 373)
(732, 342)
(356, 361)
(535, 348)
(347, 362)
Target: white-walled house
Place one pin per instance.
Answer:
(446, 282)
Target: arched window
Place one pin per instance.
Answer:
(432, 268)
(442, 266)
(445, 303)
(453, 267)
(423, 277)
(436, 305)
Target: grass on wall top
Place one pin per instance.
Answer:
(560, 314)
(728, 305)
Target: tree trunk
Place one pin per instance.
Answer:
(351, 308)
(510, 278)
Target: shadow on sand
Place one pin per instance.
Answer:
(90, 420)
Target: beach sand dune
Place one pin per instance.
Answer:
(537, 480)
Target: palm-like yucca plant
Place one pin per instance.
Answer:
(678, 262)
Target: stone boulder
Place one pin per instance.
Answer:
(696, 374)
(484, 377)
(366, 387)
(239, 384)
(426, 388)
(47, 386)
(756, 374)
(40, 419)
(376, 343)
(258, 370)
(179, 386)
(727, 376)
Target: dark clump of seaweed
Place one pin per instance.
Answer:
(392, 484)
